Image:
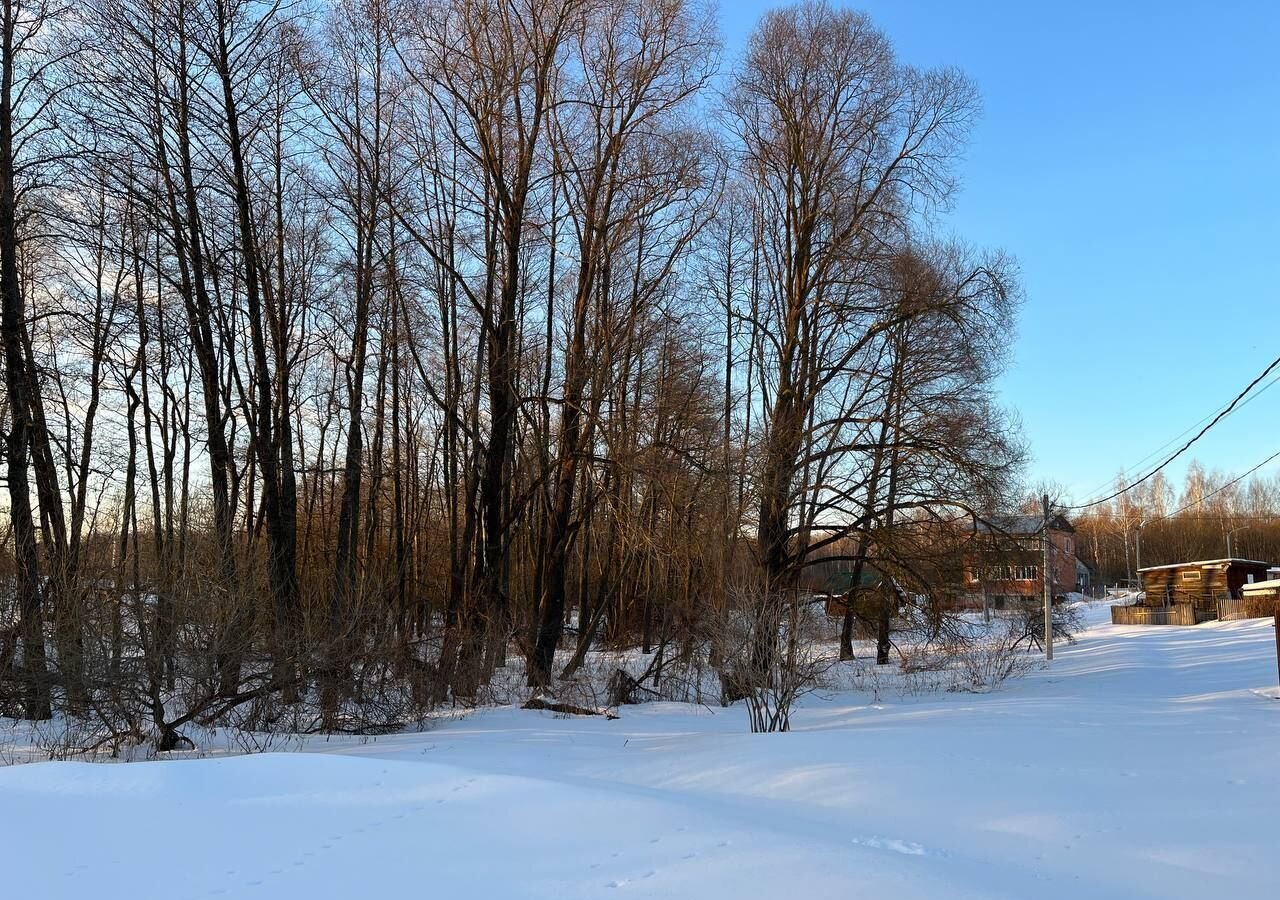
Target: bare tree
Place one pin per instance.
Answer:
(25, 61)
(640, 64)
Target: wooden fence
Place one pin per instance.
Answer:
(1257, 606)
(1178, 614)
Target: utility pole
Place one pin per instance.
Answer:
(1277, 625)
(1128, 572)
(1048, 584)
(1137, 547)
(1230, 546)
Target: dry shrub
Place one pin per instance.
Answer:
(983, 665)
(771, 657)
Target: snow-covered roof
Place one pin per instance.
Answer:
(1204, 563)
(1022, 524)
(1259, 586)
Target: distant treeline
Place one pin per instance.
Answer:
(1212, 515)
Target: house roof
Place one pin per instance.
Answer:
(1262, 586)
(842, 582)
(1204, 563)
(1022, 524)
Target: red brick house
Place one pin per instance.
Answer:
(1003, 569)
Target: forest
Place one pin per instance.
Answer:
(357, 351)
(1214, 515)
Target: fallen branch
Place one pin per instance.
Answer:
(567, 708)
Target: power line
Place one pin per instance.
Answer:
(1218, 490)
(1173, 440)
(1199, 434)
(1232, 483)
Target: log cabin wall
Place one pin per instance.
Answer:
(1198, 584)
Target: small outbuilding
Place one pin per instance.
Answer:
(1189, 593)
(1257, 601)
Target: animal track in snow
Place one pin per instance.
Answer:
(907, 848)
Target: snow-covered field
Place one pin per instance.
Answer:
(1142, 763)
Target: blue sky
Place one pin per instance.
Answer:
(1127, 156)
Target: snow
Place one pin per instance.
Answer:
(1141, 763)
(1205, 563)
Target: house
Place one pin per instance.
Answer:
(1189, 593)
(1003, 569)
(837, 586)
(1084, 576)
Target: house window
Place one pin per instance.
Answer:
(1013, 573)
(1190, 576)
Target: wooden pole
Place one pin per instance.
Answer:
(1048, 584)
(1137, 549)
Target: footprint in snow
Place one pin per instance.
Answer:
(907, 848)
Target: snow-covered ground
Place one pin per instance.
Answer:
(1142, 763)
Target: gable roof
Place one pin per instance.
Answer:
(842, 582)
(1023, 525)
(1205, 563)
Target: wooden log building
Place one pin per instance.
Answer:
(1189, 593)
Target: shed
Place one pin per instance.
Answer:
(1257, 601)
(839, 585)
(1191, 592)
(1201, 582)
